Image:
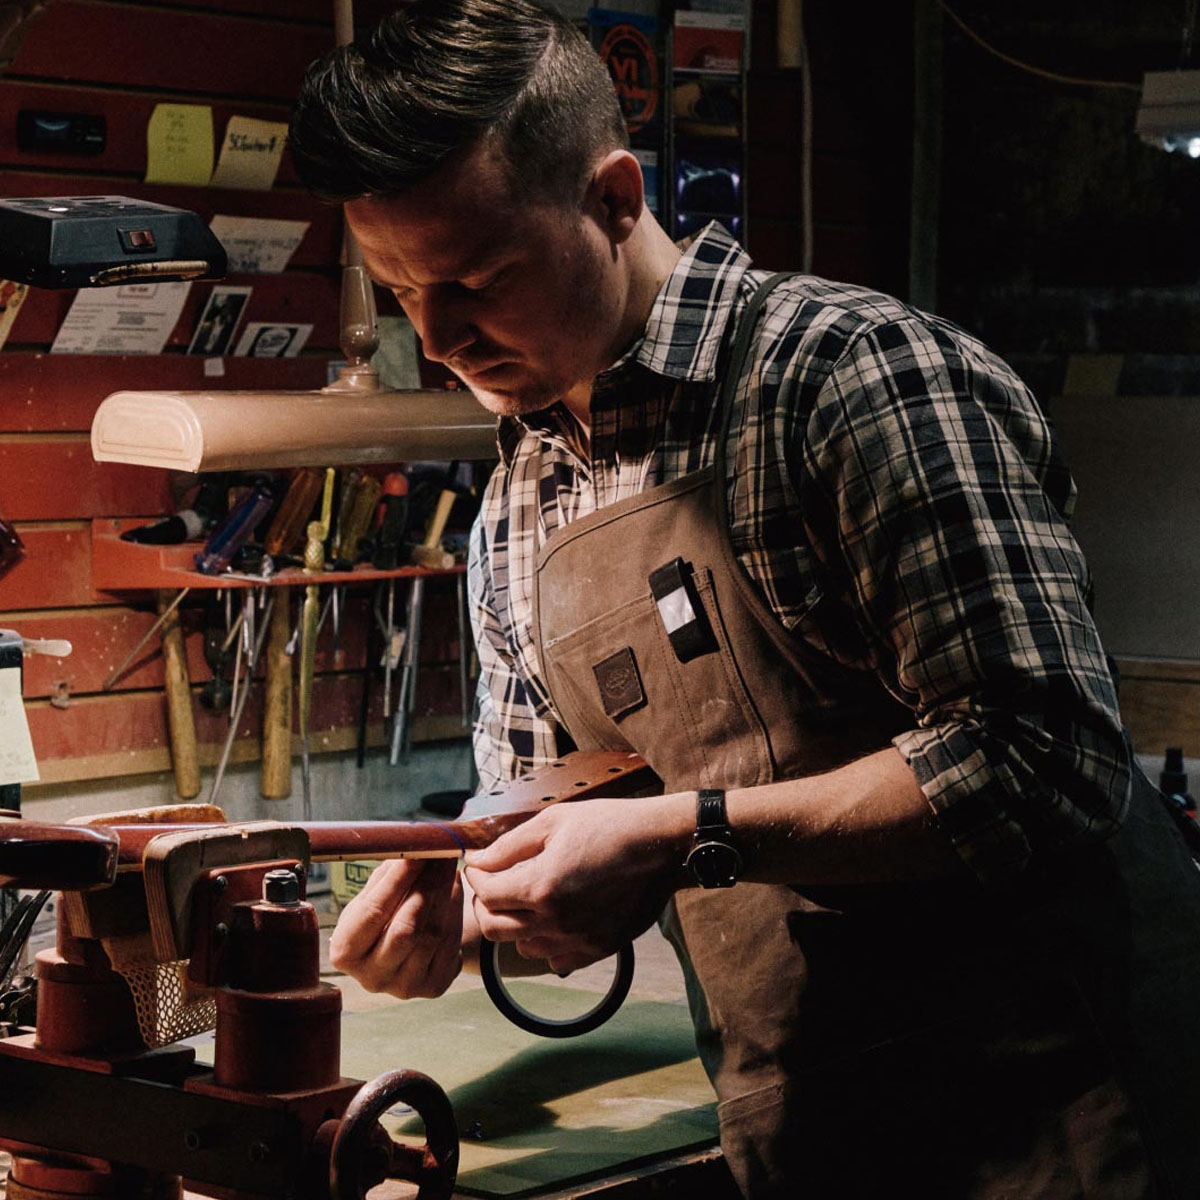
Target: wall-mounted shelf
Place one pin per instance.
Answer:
(119, 566)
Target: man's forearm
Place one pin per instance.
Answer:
(865, 822)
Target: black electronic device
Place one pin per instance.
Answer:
(100, 241)
(60, 132)
(12, 655)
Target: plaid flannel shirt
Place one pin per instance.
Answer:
(899, 500)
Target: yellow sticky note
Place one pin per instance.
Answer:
(179, 144)
(250, 154)
(17, 763)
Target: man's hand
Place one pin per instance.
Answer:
(579, 880)
(402, 934)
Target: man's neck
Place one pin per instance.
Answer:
(578, 402)
(654, 256)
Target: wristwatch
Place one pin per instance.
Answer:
(714, 861)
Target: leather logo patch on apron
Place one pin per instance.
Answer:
(620, 683)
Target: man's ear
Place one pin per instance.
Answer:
(616, 194)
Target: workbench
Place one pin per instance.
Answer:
(623, 1111)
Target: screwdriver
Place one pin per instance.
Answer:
(360, 520)
(351, 482)
(236, 530)
(289, 522)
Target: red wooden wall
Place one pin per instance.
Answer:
(120, 60)
(861, 58)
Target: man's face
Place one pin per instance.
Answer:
(521, 300)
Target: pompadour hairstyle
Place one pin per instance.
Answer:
(435, 78)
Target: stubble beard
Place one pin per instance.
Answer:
(530, 399)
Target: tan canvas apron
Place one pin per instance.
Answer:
(884, 1041)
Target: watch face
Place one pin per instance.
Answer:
(714, 864)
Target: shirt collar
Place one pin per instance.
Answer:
(683, 335)
(687, 323)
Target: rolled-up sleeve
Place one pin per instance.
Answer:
(933, 491)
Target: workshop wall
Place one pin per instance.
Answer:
(862, 82)
(1074, 249)
(118, 60)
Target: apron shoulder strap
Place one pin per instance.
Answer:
(733, 363)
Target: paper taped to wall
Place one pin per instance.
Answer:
(258, 244)
(17, 761)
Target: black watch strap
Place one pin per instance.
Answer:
(710, 813)
(714, 860)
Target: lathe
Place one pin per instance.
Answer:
(174, 922)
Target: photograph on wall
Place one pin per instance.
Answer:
(222, 312)
(263, 339)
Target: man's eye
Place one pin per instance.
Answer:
(483, 285)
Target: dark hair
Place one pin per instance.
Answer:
(436, 77)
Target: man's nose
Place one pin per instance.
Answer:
(444, 325)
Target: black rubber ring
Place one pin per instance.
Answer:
(489, 969)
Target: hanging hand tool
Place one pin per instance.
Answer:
(314, 564)
(163, 616)
(235, 716)
(342, 554)
(181, 722)
(276, 781)
(239, 652)
(217, 694)
(389, 546)
(402, 728)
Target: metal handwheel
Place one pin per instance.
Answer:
(489, 969)
(362, 1155)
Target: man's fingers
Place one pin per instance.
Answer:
(366, 917)
(513, 847)
(389, 932)
(505, 926)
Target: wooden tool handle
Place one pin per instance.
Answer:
(276, 783)
(181, 724)
(70, 857)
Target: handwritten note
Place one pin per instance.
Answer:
(258, 244)
(17, 762)
(250, 154)
(179, 144)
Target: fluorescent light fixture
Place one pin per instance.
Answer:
(222, 431)
(1169, 114)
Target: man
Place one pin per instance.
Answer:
(804, 548)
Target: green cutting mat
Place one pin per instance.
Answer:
(543, 1111)
(546, 1110)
